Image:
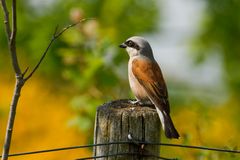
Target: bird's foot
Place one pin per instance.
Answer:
(135, 102)
(141, 103)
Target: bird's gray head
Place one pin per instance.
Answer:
(137, 46)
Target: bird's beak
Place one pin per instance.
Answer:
(123, 45)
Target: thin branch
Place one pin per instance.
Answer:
(54, 37)
(12, 42)
(11, 34)
(72, 25)
(14, 22)
(11, 118)
(25, 71)
(6, 19)
(11, 37)
(41, 59)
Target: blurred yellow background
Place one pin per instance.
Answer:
(42, 124)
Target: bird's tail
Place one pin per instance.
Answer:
(167, 124)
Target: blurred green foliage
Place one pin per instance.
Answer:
(220, 34)
(86, 59)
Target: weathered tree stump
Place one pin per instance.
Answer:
(118, 121)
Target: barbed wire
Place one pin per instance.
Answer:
(124, 154)
(125, 142)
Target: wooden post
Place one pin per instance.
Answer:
(120, 120)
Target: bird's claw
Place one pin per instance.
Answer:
(135, 102)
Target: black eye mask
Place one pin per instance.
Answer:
(131, 44)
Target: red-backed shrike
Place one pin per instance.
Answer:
(146, 81)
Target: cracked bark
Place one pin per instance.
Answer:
(116, 120)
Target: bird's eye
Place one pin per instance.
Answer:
(130, 43)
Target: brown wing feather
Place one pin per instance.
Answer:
(149, 74)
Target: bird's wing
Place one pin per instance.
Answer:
(149, 75)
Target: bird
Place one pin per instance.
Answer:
(147, 82)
